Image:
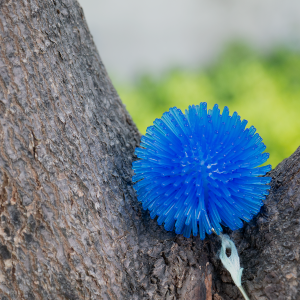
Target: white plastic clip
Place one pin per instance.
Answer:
(232, 263)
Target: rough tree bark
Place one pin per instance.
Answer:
(70, 224)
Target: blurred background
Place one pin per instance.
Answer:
(243, 54)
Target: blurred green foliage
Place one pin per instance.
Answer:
(265, 90)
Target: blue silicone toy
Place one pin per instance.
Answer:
(200, 169)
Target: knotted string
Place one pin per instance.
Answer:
(232, 263)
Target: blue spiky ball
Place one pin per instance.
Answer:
(200, 169)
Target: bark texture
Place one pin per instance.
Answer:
(70, 224)
(71, 227)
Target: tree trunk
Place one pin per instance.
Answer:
(70, 225)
